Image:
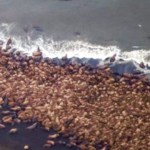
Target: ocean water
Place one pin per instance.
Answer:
(80, 28)
(92, 29)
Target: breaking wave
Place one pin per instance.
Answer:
(29, 39)
(28, 42)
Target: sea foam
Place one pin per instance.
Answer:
(27, 42)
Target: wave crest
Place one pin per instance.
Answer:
(28, 42)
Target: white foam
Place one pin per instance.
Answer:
(51, 48)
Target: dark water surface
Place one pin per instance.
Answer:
(124, 23)
(34, 138)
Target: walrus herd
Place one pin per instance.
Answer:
(94, 108)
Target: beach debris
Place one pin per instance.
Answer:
(34, 125)
(13, 130)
